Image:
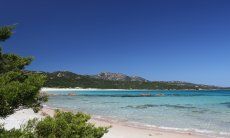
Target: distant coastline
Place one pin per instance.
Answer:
(116, 81)
(47, 89)
(44, 89)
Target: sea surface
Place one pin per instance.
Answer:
(206, 112)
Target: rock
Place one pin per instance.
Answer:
(145, 94)
(71, 94)
(160, 94)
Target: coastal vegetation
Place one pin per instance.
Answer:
(66, 79)
(62, 125)
(20, 89)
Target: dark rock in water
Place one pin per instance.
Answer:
(160, 94)
(200, 111)
(141, 106)
(146, 106)
(47, 94)
(145, 94)
(162, 105)
(179, 106)
(71, 94)
(51, 94)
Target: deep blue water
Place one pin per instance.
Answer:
(201, 111)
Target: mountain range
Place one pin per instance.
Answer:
(108, 80)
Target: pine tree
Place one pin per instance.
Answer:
(18, 88)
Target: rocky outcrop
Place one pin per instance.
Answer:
(71, 94)
(118, 77)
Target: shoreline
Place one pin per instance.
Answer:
(50, 89)
(45, 89)
(121, 129)
(109, 120)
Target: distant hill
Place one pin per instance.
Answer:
(66, 79)
(118, 77)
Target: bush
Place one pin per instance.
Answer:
(62, 125)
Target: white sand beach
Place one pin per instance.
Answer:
(47, 89)
(118, 129)
(19, 118)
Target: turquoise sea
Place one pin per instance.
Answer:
(206, 112)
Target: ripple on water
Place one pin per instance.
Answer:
(162, 105)
(226, 103)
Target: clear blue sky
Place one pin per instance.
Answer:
(186, 40)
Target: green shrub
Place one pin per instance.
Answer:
(62, 125)
(67, 124)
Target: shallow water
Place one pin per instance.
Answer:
(200, 111)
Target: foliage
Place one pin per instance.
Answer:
(17, 88)
(14, 133)
(6, 32)
(62, 125)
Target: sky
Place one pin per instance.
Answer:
(186, 40)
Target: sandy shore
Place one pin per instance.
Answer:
(122, 130)
(19, 118)
(118, 129)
